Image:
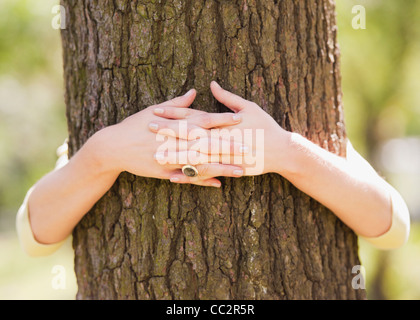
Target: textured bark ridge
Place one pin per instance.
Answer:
(256, 237)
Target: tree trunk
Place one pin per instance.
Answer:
(256, 237)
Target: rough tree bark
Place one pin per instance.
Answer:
(256, 237)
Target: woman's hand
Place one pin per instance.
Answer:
(269, 141)
(263, 143)
(133, 147)
(333, 181)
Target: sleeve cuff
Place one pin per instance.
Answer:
(23, 225)
(399, 231)
(26, 237)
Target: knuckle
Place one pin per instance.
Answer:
(195, 132)
(205, 120)
(225, 170)
(186, 112)
(168, 112)
(162, 124)
(204, 169)
(254, 105)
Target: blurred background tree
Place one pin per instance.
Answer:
(380, 69)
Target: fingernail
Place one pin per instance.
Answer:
(153, 126)
(159, 111)
(216, 185)
(189, 93)
(239, 173)
(174, 179)
(236, 117)
(159, 156)
(216, 84)
(244, 149)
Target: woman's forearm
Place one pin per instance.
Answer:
(355, 193)
(62, 197)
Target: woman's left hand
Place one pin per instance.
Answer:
(265, 141)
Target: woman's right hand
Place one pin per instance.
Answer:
(131, 146)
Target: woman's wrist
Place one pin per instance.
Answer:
(285, 154)
(296, 157)
(98, 154)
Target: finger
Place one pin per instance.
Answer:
(175, 113)
(199, 118)
(182, 179)
(181, 158)
(215, 146)
(195, 126)
(230, 100)
(225, 159)
(181, 129)
(213, 120)
(219, 170)
(180, 102)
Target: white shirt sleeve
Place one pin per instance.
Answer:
(398, 233)
(23, 225)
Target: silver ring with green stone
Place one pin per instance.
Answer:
(190, 171)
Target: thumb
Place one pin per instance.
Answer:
(182, 101)
(230, 100)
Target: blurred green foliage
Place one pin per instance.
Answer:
(380, 68)
(32, 114)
